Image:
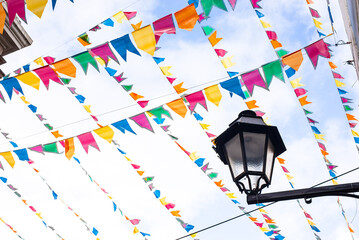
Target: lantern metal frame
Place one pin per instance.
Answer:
(247, 121)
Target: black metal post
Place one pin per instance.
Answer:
(306, 193)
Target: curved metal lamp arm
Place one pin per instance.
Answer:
(307, 193)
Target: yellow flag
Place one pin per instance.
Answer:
(262, 210)
(318, 24)
(39, 215)
(105, 133)
(24, 100)
(119, 17)
(264, 229)
(265, 24)
(163, 201)
(227, 62)
(296, 83)
(39, 61)
(205, 126)
(231, 195)
(87, 108)
(29, 79)
(310, 222)
(194, 235)
(100, 61)
(319, 136)
(213, 94)
(339, 83)
(135, 230)
(36, 6)
(193, 156)
(334, 182)
(69, 148)
(9, 158)
(145, 39)
(355, 134)
(136, 26)
(289, 177)
(165, 70)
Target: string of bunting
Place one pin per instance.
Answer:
(294, 61)
(11, 228)
(15, 190)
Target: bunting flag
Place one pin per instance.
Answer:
(145, 39)
(105, 53)
(11, 228)
(16, 7)
(84, 59)
(164, 25)
(11, 84)
(207, 5)
(196, 98)
(253, 78)
(37, 7)
(124, 44)
(187, 17)
(87, 140)
(294, 60)
(319, 48)
(2, 19)
(46, 74)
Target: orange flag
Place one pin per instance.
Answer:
(213, 39)
(332, 65)
(65, 67)
(135, 96)
(351, 117)
(137, 25)
(187, 17)
(178, 107)
(2, 18)
(179, 89)
(303, 101)
(69, 148)
(251, 104)
(293, 60)
(281, 160)
(275, 44)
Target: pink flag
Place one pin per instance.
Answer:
(300, 91)
(164, 25)
(135, 221)
(87, 140)
(171, 80)
(232, 3)
(37, 148)
(259, 224)
(337, 75)
(352, 125)
(272, 35)
(104, 51)
(130, 15)
(220, 52)
(49, 60)
(46, 74)
(317, 49)
(143, 104)
(254, 3)
(16, 7)
(307, 215)
(322, 146)
(142, 121)
(119, 78)
(196, 98)
(170, 205)
(314, 13)
(253, 78)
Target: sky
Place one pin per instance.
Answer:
(200, 201)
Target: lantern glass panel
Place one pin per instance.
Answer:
(235, 157)
(254, 144)
(270, 159)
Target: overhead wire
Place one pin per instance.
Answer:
(256, 209)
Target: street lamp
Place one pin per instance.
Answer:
(249, 147)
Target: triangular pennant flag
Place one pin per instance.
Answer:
(50, 147)
(69, 148)
(124, 44)
(314, 13)
(272, 35)
(179, 89)
(232, 74)
(9, 84)
(136, 96)
(84, 59)
(104, 52)
(265, 24)
(158, 60)
(254, 3)
(281, 52)
(87, 140)
(296, 83)
(106, 133)
(259, 14)
(142, 121)
(123, 126)
(84, 39)
(37, 7)
(339, 83)
(294, 60)
(29, 79)
(319, 48)
(303, 101)
(9, 158)
(227, 62)
(130, 15)
(22, 154)
(337, 75)
(233, 85)
(178, 107)
(164, 25)
(273, 69)
(207, 30)
(37, 148)
(253, 78)
(127, 87)
(332, 65)
(145, 39)
(46, 74)
(119, 78)
(220, 52)
(207, 5)
(213, 39)
(49, 60)
(16, 7)
(159, 112)
(196, 98)
(110, 71)
(351, 117)
(213, 94)
(137, 25)
(65, 67)
(143, 104)
(165, 70)
(276, 44)
(56, 134)
(108, 22)
(318, 24)
(232, 3)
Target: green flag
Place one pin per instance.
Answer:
(84, 59)
(208, 4)
(51, 147)
(273, 69)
